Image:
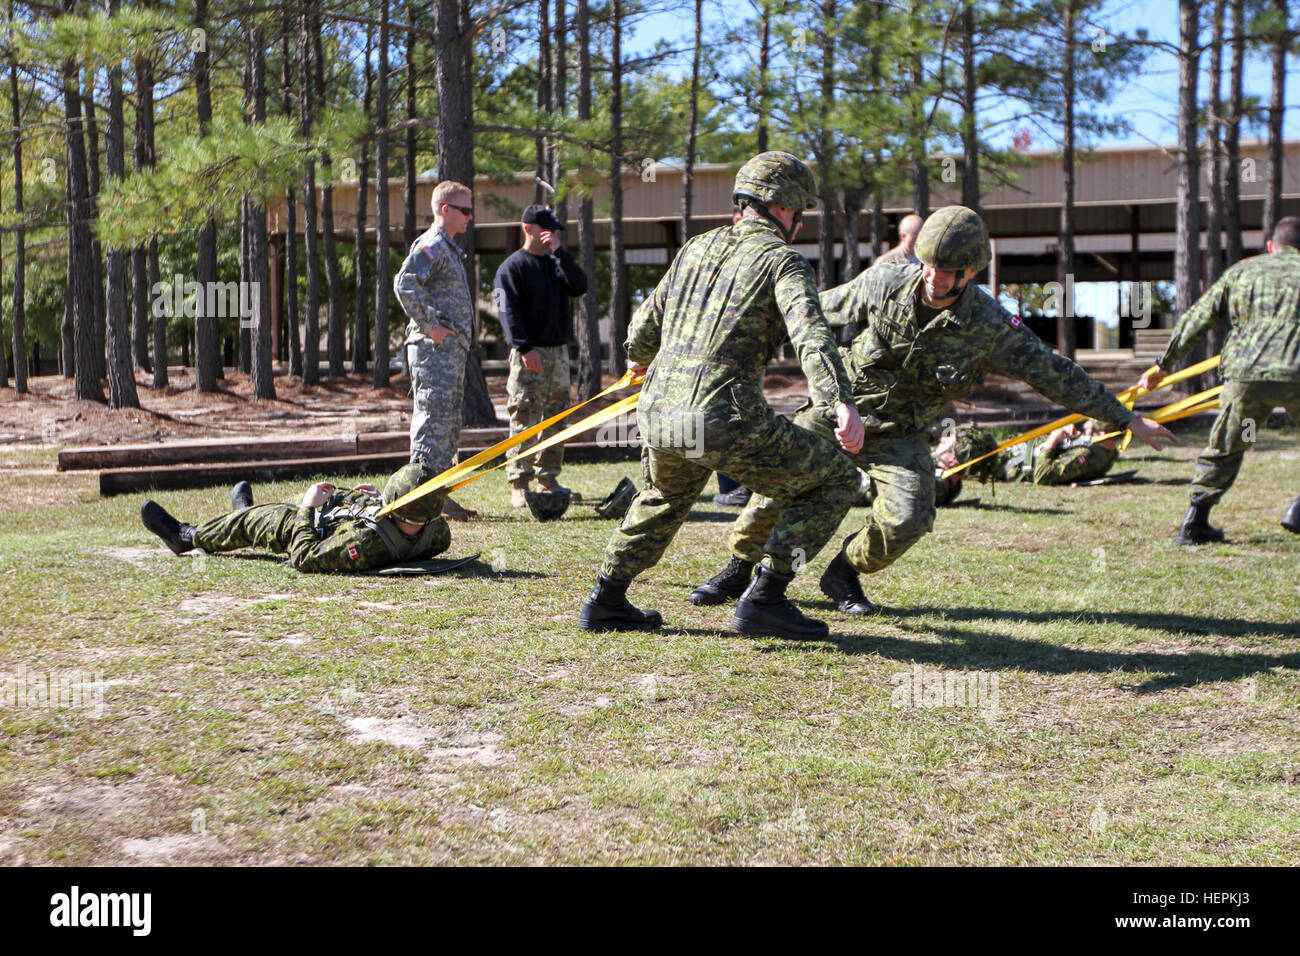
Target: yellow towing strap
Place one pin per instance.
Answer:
(458, 476)
(1183, 408)
(1126, 398)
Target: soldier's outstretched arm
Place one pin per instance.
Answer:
(1207, 313)
(846, 304)
(643, 332)
(813, 341)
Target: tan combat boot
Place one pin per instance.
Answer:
(454, 511)
(519, 494)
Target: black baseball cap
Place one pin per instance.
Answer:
(540, 215)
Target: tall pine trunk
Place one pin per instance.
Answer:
(588, 309)
(970, 170)
(290, 223)
(1276, 106)
(311, 307)
(409, 230)
(1214, 152)
(1187, 272)
(121, 374)
(96, 248)
(80, 289)
(1065, 238)
(382, 275)
(255, 227)
(207, 334)
(617, 266)
(693, 106)
(333, 285)
(360, 314)
(1232, 136)
(19, 352)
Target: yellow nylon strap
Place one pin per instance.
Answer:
(1191, 405)
(1126, 398)
(447, 480)
(591, 421)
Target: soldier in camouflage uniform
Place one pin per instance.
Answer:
(434, 292)
(1257, 304)
(329, 530)
(711, 325)
(928, 335)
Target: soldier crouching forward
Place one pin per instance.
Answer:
(329, 530)
(928, 335)
(706, 333)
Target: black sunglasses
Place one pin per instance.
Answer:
(463, 210)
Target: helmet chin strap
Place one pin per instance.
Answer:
(786, 234)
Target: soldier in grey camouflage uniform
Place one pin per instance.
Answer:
(329, 530)
(928, 335)
(1257, 303)
(434, 292)
(713, 322)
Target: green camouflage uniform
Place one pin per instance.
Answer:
(532, 397)
(344, 536)
(1257, 303)
(707, 331)
(433, 290)
(1069, 462)
(902, 374)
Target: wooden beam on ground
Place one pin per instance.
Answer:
(116, 481)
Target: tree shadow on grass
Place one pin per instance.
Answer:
(975, 649)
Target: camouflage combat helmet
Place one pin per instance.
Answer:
(406, 480)
(953, 239)
(776, 177)
(547, 505)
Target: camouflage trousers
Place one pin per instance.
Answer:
(261, 526)
(902, 499)
(1244, 407)
(770, 456)
(532, 397)
(438, 386)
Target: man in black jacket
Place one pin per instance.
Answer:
(532, 292)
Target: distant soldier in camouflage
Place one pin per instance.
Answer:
(435, 294)
(329, 530)
(1257, 303)
(928, 335)
(702, 338)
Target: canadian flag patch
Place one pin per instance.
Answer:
(1015, 321)
(353, 553)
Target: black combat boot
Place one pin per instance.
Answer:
(241, 496)
(840, 583)
(727, 585)
(1291, 520)
(765, 610)
(608, 609)
(735, 498)
(1196, 527)
(175, 534)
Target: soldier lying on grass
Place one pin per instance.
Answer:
(329, 530)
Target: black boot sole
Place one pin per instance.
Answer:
(845, 602)
(752, 621)
(241, 496)
(652, 621)
(157, 520)
(1199, 538)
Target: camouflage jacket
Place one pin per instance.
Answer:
(346, 536)
(903, 374)
(1067, 464)
(718, 316)
(432, 288)
(1257, 303)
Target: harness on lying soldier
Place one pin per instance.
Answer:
(401, 547)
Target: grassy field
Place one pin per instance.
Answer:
(1052, 681)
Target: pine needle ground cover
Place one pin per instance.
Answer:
(1053, 681)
